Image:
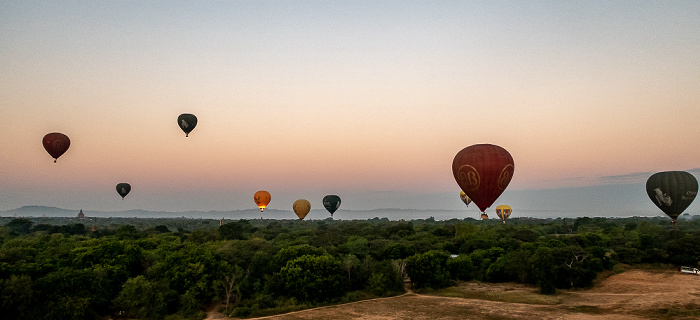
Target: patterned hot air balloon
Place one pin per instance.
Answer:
(503, 212)
(187, 122)
(331, 202)
(56, 144)
(672, 191)
(465, 198)
(123, 189)
(483, 171)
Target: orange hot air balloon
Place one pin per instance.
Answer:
(262, 199)
(503, 212)
(56, 144)
(301, 208)
(483, 171)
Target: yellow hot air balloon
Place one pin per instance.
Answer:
(302, 208)
(262, 199)
(465, 198)
(503, 212)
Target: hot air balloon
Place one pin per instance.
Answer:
(262, 199)
(331, 202)
(301, 208)
(187, 122)
(123, 189)
(483, 171)
(672, 191)
(503, 212)
(465, 198)
(56, 144)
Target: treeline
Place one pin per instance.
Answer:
(256, 268)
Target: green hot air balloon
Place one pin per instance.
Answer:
(331, 202)
(187, 122)
(672, 191)
(123, 189)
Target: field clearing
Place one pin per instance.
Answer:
(631, 295)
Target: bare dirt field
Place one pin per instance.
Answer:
(630, 295)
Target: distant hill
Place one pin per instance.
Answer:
(317, 214)
(41, 211)
(38, 211)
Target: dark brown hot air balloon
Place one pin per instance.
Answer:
(483, 171)
(56, 144)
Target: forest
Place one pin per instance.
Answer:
(178, 268)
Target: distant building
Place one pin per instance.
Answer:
(81, 215)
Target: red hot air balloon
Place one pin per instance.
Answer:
(483, 171)
(56, 144)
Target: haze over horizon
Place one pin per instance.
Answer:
(370, 100)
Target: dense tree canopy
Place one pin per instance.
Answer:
(174, 268)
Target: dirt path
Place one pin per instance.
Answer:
(631, 295)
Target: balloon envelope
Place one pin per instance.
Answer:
(56, 144)
(262, 199)
(301, 208)
(503, 212)
(672, 191)
(123, 189)
(187, 122)
(483, 171)
(331, 202)
(465, 198)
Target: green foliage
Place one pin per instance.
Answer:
(236, 230)
(19, 226)
(144, 299)
(17, 297)
(311, 278)
(461, 267)
(285, 255)
(428, 270)
(543, 266)
(357, 246)
(56, 269)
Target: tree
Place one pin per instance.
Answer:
(17, 297)
(143, 299)
(351, 263)
(461, 267)
(232, 289)
(542, 265)
(290, 253)
(517, 267)
(19, 226)
(357, 246)
(236, 230)
(428, 270)
(311, 278)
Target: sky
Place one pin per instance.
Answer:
(370, 100)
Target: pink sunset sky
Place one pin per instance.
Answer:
(311, 98)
